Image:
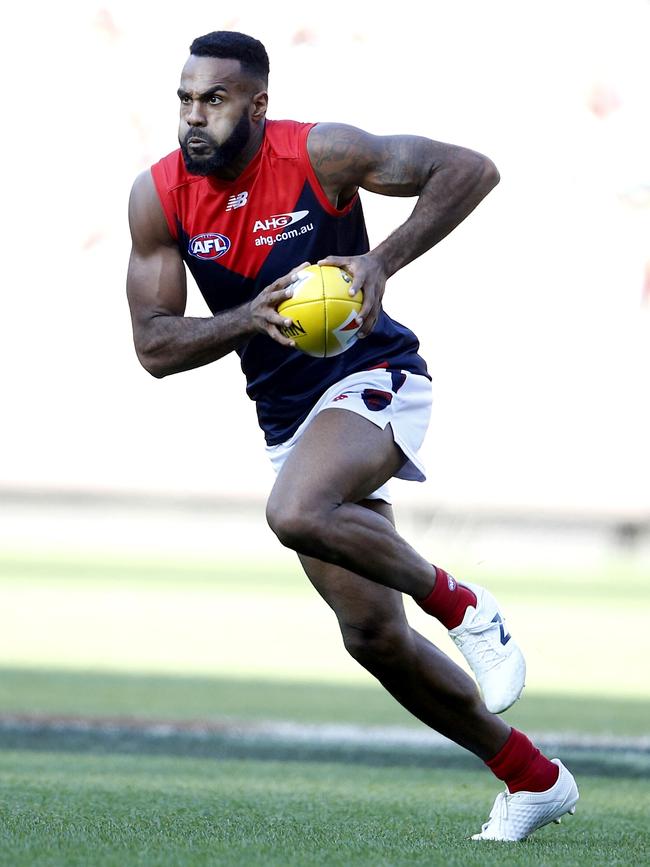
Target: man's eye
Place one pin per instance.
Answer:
(214, 100)
(185, 100)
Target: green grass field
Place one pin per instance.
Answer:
(101, 638)
(117, 810)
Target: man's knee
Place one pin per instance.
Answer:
(376, 644)
(388, 650)
(296, 525)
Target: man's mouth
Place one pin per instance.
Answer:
(198, 144)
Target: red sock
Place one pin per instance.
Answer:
(522, 767)
(448, 601)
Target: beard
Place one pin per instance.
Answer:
(223, 155)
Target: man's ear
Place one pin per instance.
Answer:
(259, 102)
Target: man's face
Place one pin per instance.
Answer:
(216, 110)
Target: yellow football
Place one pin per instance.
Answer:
(322, 311)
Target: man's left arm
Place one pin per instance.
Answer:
(448, 180)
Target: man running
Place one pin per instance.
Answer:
(336, 429)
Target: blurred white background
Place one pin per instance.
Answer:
(534, 315)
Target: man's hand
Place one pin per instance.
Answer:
(263, 308)
(368, 275)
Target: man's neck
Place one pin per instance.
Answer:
(248, 154)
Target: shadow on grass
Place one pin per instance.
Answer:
(30, 696)
(96, 693)
(102, 739)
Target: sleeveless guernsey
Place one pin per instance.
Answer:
(237, 237)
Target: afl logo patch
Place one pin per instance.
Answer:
(209, 245)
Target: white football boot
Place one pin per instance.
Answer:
(496, 660)
(515, 817)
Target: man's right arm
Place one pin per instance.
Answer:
(167, 341)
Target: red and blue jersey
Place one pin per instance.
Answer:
(237, 237)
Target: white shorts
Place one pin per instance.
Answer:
(397, 398)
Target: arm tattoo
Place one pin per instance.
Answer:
(339, 160)
(344, 156)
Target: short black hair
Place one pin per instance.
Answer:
(228, 43)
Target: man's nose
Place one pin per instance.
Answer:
(196, 117)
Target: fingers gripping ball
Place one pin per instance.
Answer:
(322, 311)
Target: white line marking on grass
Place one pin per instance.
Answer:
(328, 734)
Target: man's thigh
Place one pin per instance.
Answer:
(340, 458)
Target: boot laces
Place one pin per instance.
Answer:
(481, 646)
(498, 813)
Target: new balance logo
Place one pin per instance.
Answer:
(504, 636)
(237, 201)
